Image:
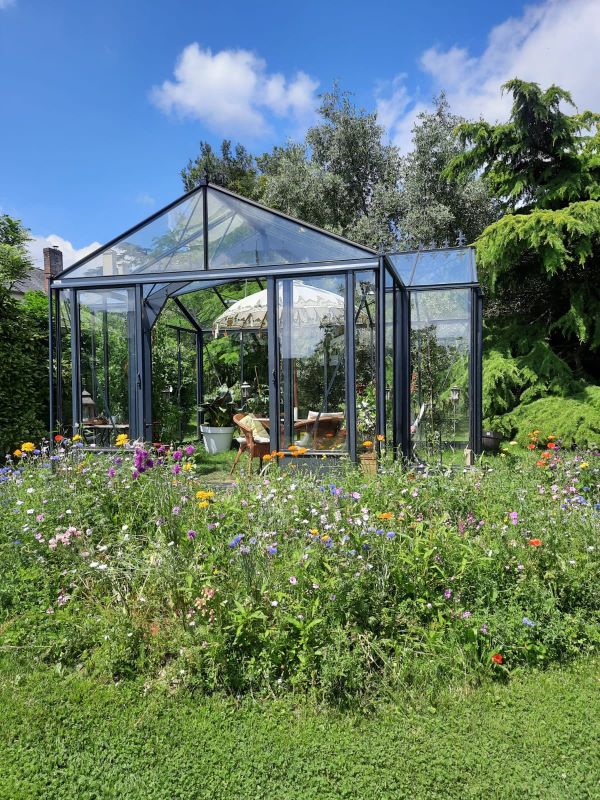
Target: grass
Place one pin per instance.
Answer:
(64, 737)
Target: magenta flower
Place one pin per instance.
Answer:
(111, 472)
(192, 535)
(177, 455)
(176, 469)
(190, 450)
(514, 517)
(293, 580)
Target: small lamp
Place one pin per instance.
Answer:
(455, 394)
(87, 405)
(245, 390)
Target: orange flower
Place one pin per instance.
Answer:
(535, 542)
(531, 446)
(541, 463)
(266, 458)
(282, 454)
(380, 437)
(551, 445)
(293, 447)
(497, 658)
(368, 443)
(552, 436)
(58, 438)
(385, 515)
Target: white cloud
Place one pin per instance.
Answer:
(553, 42)
(70, 254)
(145, 199)
(232, 92)
(6, 3)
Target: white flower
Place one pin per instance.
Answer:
(274, 603)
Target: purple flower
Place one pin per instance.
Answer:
(177, 455)
(176, 469)
(111, 472)
(390, 534)
(176, 510)
(190, 450)
(192, 534)
(135, 474)
(118, 459)
(466, 614)
(293, 580)
(272, 550)
(514, 517)
(236, 540)
(448, 594)
(529, 622)
(484, 628)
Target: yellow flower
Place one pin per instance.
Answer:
(368, 443)
(203, 504)
(28, 447)
(267, 457)
(122, 440)
(188, 466)
(512, 443)
(76, 438)
(385, 515)
(203, 495)
(380, 437)
(314, 531)
(17, 453)
(584, 465)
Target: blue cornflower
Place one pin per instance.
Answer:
(390, 534)
(236, 540)
(529, 622)
(272, 550)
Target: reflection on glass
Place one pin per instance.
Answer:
(107, 350)
(440, 326)
(427, 267)
(63, 365)
(312, 363)
(365, 316)
(241, 234)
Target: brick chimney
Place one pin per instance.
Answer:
(53, 264)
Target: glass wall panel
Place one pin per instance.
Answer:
(440, 341)
(428, 267)
(365, 317)
(390, 360)
(170, 243)
(241, 234)
(107, 352)
(64, 410)
(311, 331)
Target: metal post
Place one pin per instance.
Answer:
(58, 346)
(380, 351)
(475, 371)
(273, 359)
(205, 224)
(51, 366)
(75, 362)
(350, 361)
(105, 360)
(179, 381)
(287, 360)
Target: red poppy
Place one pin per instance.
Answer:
(551, 445)
(497, 658)
(58, 438)
(535, 542)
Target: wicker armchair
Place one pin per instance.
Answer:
(253, 448)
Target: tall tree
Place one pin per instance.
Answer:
(435, 206)
(233, 168)
(540, 260)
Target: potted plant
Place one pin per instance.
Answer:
(217, 429)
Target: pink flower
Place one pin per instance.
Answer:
(293, 580)
(190, 449)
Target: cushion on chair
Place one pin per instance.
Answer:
(326, 415)
(259, 432)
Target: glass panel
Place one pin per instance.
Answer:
(107, 350)
(390, 362)
(365, 316)
(241, 234)
(440, 328)
(312, 328)
(169, 243)
(64, 368)
(427, 267)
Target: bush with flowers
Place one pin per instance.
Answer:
(343, 585)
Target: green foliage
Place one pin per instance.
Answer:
(576, 417)
(233, 170)
(23, 345)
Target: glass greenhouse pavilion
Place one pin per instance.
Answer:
(333, 343)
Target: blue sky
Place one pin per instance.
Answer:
(103, 104)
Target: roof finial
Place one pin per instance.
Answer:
(461, 239)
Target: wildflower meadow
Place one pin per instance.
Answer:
(338, 584)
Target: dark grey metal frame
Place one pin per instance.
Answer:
(144, 316)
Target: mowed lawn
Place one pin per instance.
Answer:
(71, 737)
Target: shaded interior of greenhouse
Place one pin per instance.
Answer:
(327, 343)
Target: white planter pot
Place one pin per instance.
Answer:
(216, 440)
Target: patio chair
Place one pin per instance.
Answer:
(256, 446)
